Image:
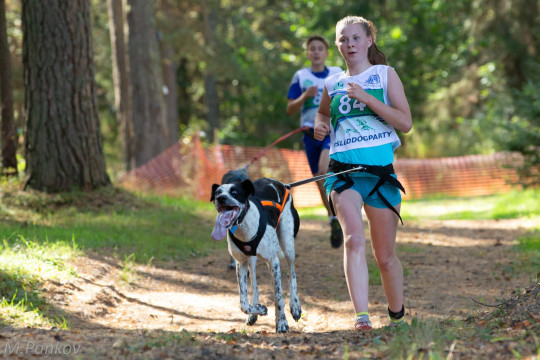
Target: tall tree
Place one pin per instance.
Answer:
(8, 137)
(170, 68)
(211, 99)
(184, 101)
(148, 104)
(63, 143)
(121, 80)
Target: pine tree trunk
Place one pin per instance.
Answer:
(210, 87)
(170, 67)
(63, 144)
(148, 105)
(171, 98)
(9, 134)
(121, 80)
(212, 105)
(184, 100)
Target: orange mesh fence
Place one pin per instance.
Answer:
(189, 169)
(471, 175)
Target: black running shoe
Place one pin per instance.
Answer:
(336, 238)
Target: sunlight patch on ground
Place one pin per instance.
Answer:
(208, 301)
(467, 233)
(501, 224)
(441, 210)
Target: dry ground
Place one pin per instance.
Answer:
(191, 309)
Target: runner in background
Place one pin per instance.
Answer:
(305, 94)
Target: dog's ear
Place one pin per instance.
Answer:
(214, 188)
(248, 186)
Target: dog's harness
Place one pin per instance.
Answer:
(383, 172)
(270, 213)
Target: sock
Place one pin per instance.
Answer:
(397, 317)
(365, 313)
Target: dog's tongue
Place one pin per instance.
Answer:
(224, 220)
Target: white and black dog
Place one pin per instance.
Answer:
(259, 220)
(232, 177)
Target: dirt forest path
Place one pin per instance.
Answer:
(447, 265)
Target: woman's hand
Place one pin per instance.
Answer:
(320, 130)
(357, 92)
(322, 119)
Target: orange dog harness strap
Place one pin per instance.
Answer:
(274, 205)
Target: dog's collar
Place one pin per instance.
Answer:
(250, 247)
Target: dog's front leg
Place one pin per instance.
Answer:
(242, 274)
(286, 240)
(252, 318)
(294, 301)
(281, 320)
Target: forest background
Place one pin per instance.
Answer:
(470, 69)
(90, 89)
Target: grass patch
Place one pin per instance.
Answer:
(510, 327)
(428, 339)
(511, 205)
(41, 232)
(529, 253)
(150, 228)
(24, 265)
(313, 213)
(515, 204)
(527, 260)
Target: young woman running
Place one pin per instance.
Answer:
(361, 108)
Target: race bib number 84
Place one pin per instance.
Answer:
(345, 105)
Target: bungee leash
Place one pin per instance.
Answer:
(321, 177)
(263, 151)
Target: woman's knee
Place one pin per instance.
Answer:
(386, 261)
(354, 242)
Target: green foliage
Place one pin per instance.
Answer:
(103, 77)
(469, 69)
(522, 130)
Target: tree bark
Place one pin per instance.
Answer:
(148, 105)
(9, 133)
(170, 67)
(63, 143)
(184, 100)
(210, 88)
(121, 80)
(212, 105)
(171, 98)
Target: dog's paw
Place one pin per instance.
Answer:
(251, 319)
(282, 327)
(259, 310)
(296, 313)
